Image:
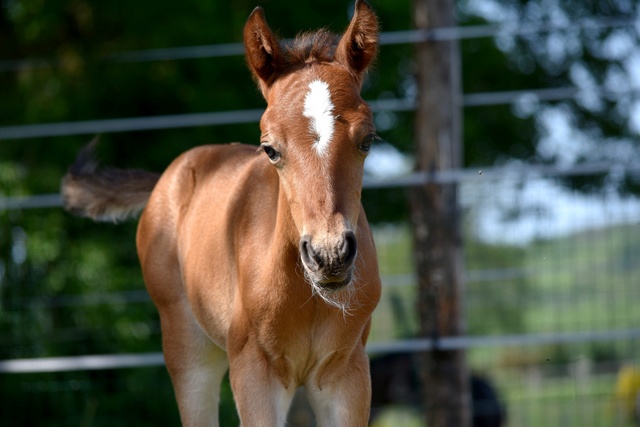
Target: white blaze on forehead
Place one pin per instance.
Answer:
(318, 108)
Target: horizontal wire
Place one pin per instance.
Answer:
(516, 172)
(414, 179)
(386, 39)
(130, 124)
(37, 201)
(217, 118)
(220, 118)
(81, 363)
(142, 296)
(468, 342)
(121, 361)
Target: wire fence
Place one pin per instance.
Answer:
(549, 302)
(389, 38)
(218, 118)
(551, 277)
(253, 115)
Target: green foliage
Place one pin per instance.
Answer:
(597, 60)
(139, 397)
(493, 133)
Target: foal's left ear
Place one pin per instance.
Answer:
(359, 44)
(262, 49)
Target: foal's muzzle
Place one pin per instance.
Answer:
(329, 266)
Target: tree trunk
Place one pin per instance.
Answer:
(435, 219)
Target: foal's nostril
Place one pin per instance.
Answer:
(349, 247)
(310, 257)
(339, 258)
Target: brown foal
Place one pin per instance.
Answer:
(262, 262)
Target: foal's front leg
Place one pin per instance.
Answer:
(261, 397)
(196, 365)
(341, 395)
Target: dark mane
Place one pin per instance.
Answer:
(312, 46)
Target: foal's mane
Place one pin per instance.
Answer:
(310, 46)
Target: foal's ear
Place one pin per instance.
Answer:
(359, 44)
(261, 49)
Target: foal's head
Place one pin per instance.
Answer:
(317, 131)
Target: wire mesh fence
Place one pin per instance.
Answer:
(551, 280)
(551, 284)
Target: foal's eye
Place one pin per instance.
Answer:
(365, 146)
(271, 153)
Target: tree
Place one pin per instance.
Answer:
(590, 46)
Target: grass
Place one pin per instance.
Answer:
(584, 281)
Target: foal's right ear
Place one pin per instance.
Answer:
(261, 49)
(358, 46)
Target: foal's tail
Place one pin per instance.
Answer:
(107, 194)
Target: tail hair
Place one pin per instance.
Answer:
(105, 194)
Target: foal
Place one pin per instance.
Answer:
(262, 262)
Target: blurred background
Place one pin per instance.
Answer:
(547, 194)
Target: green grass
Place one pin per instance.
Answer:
(394, 246)
(580, 282)
(392, 321)
(585, 281)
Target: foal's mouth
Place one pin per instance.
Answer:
(335, 285)
(336, 291)
(328, 284)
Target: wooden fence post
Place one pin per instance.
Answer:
(435, 218)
